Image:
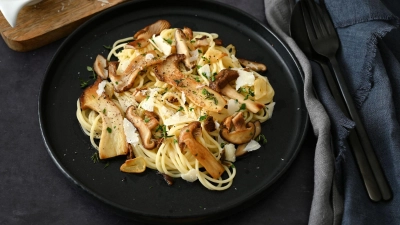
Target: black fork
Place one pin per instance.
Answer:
(324, 40)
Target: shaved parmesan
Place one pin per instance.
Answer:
(216, 125)
(245, 79)
(149, 56)
(162, 45)
(204, 70)
(270, 108)
(194, 55)
(131, 135)
(233, 106)
(100, 87)
(148, 104)
(183, 97)
(166, 112)
(230, 152)
(190, 176)
(178, 118)
(252, 146)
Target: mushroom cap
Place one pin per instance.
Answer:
(142, 36)
(223, 78)
(242, 133)
(100, 65)
(182, 48)
(240, 149)
(255, 66)
(144, 131)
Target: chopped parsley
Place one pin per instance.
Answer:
(209, 96)
(146, 120)
(205, 59)
(163, 130)
(180, 108)
(84, 83)
(169, 41)
(109, 130)
(261, 138)
(90, 69)
(203, 117)
(107, 164)
(95, 157)
(242, 107)
(109, 47)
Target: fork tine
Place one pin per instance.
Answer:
(307, 21)
(317, 19)
(326, 17)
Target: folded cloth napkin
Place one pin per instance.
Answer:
(369, 58)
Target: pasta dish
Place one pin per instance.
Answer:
(176, 101)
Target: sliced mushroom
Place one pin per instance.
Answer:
(201, 42)
(152, 121)
(240, 149)
(201, 95)
(167, 178)
(201, 153)
(182, 48)
(142, 36)
(221, 85)
(124, 81)
(242, 133)
(253, 65)
(144, 130)
(99, 66)
(223, 78)
(139, 95)
(218, 42)
(188, 33)
(209, 124)
(113, 140)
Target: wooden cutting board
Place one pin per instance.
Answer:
(49, 20)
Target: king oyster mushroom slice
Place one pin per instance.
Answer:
(240, 149)
(221, 85)
(188, 32)
(141, 126)
(182, 48)
(255, 66)
(142, 36)
(241, 133)
(201, 153)
(99, 66)
(113, 140)
(209, 124)
(201, 95)
(125, 80)
(201, 42)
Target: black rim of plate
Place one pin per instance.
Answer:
(290, 110)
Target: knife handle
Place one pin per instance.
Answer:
(367, 174)
(361, 133)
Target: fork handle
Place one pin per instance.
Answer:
(362, 134)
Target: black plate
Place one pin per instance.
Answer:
(146, 196)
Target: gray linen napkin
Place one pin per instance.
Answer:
(372, 70)
(278, 14)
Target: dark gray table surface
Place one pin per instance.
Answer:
(34, 191)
